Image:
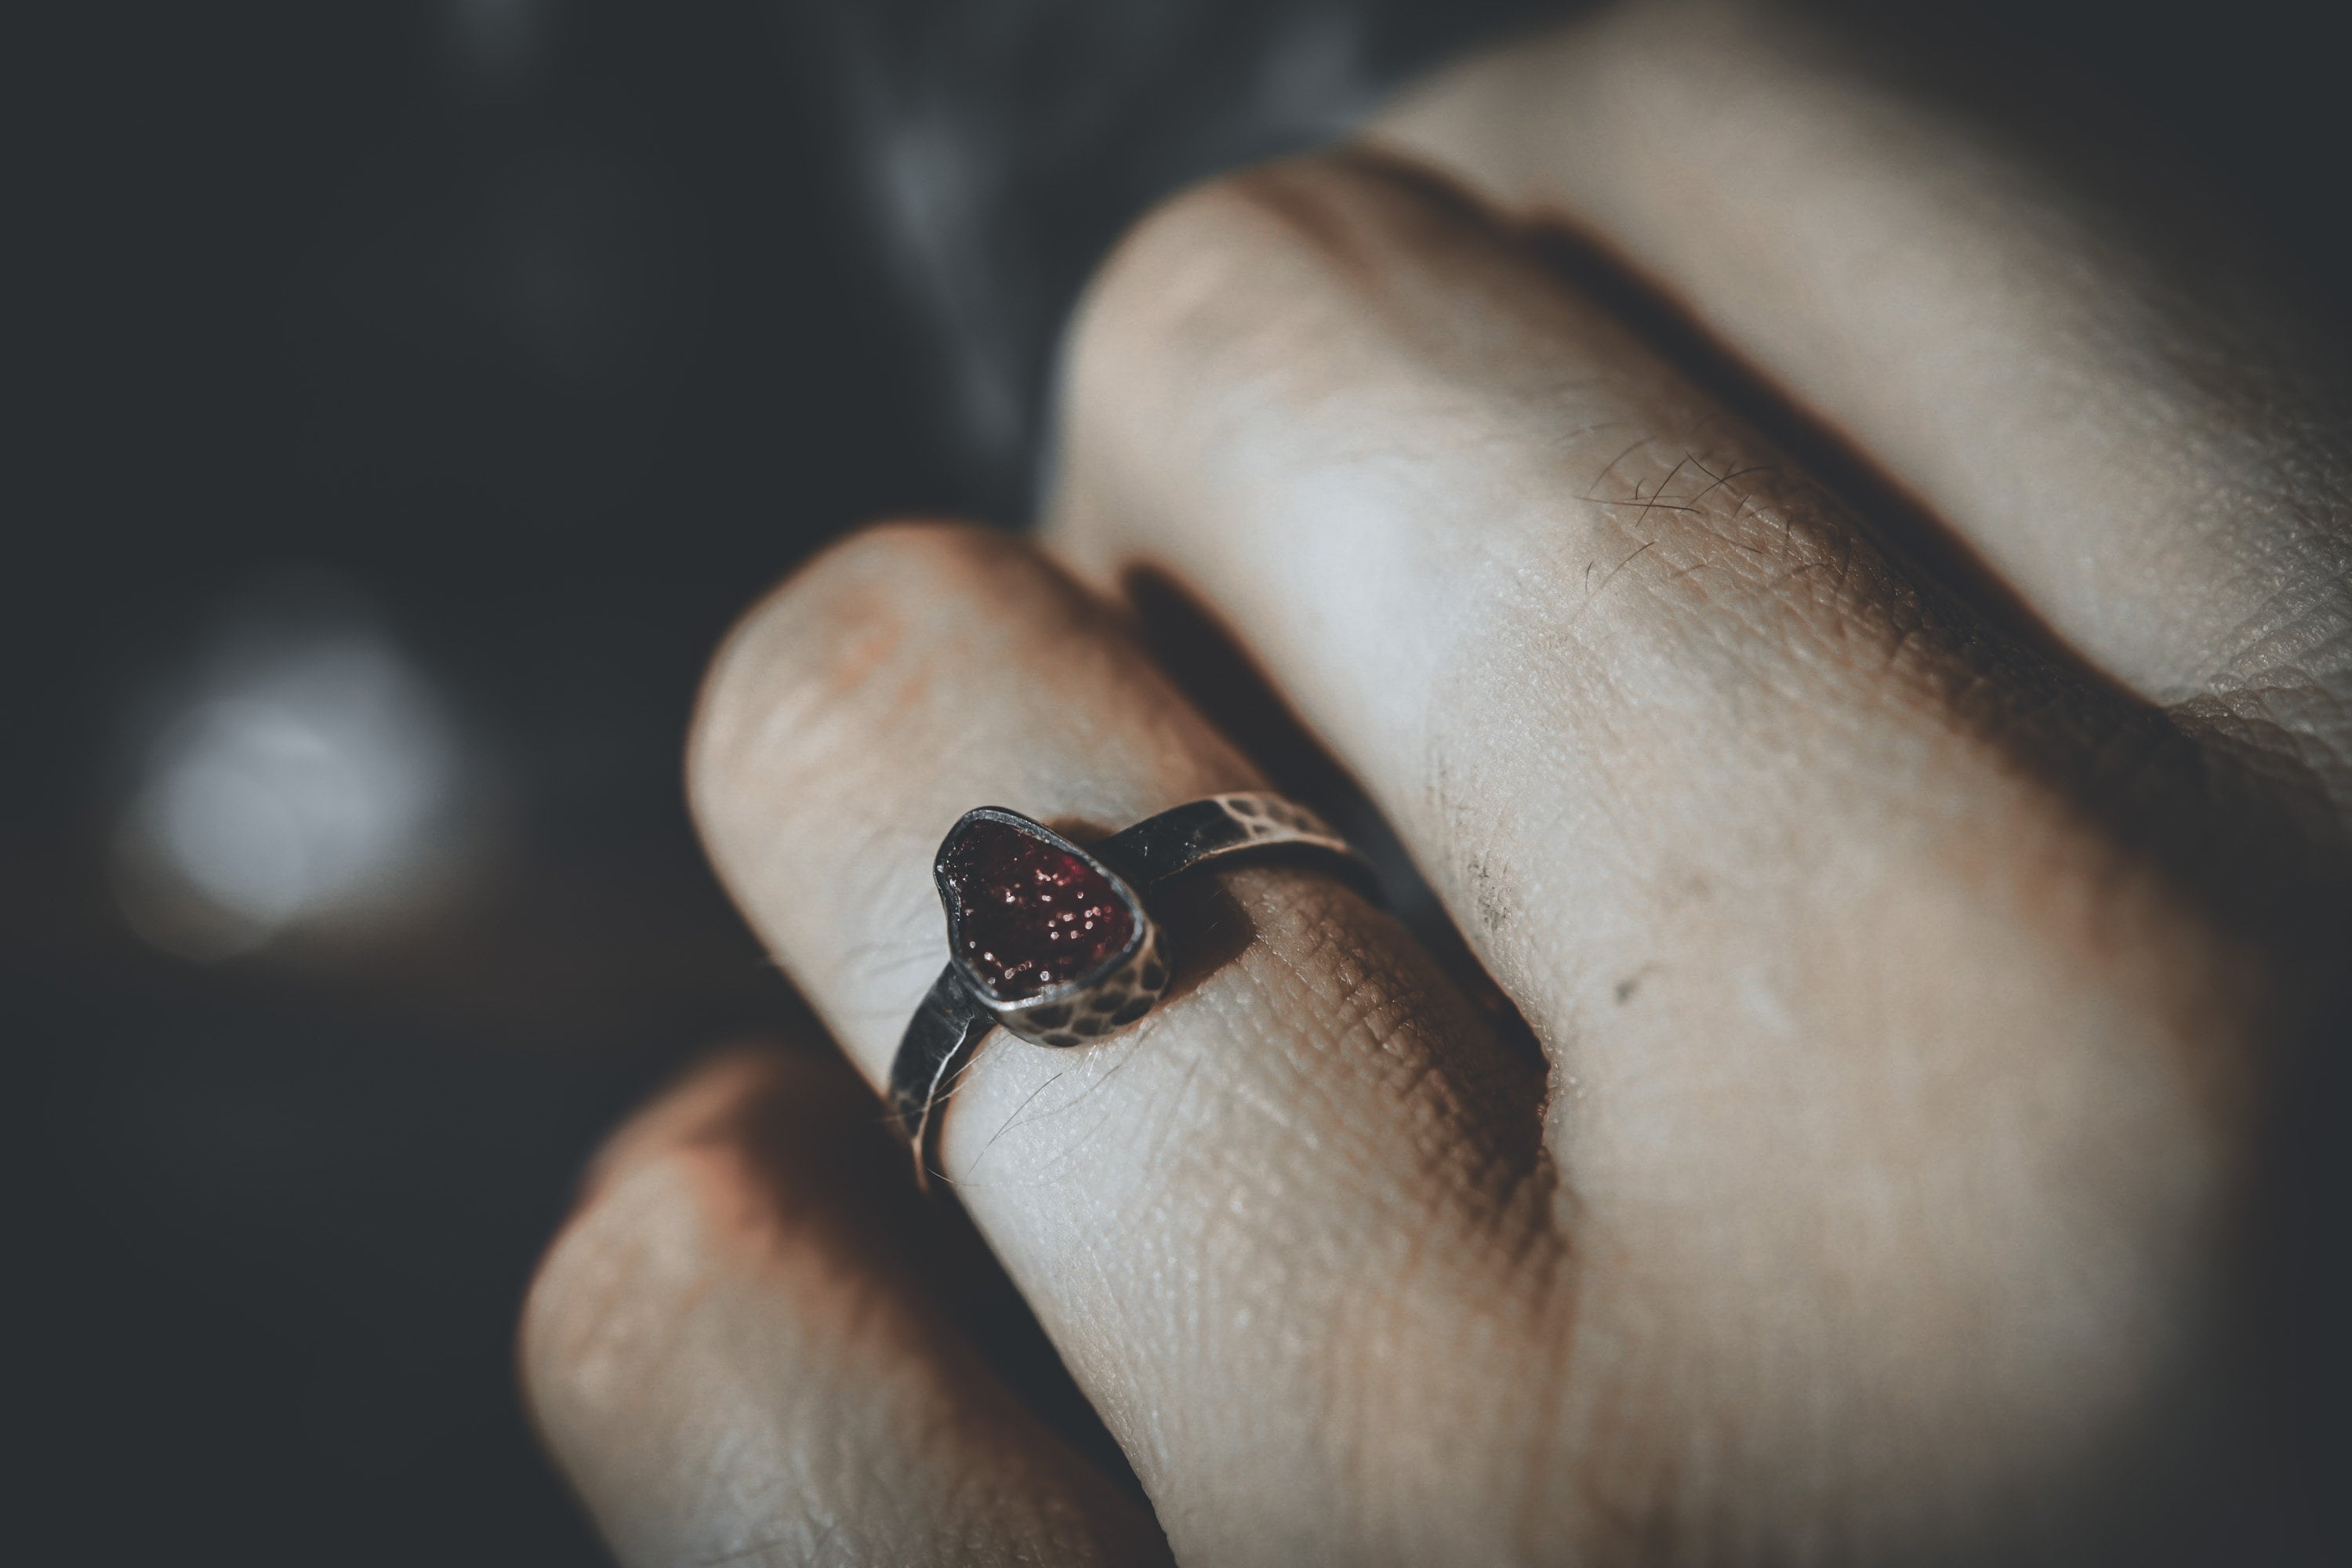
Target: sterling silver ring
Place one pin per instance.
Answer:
(1053, 939)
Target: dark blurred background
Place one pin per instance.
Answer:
(409, 395)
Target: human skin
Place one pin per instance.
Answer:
(1916, 951)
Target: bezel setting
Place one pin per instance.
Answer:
(1108, 994)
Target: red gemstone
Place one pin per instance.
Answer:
(1031, 916)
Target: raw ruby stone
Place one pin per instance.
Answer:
(1031, 916)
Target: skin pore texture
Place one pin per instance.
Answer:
(2066, 355)
(703, 1426)
(1909, 1001)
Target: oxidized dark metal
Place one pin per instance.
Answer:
(1052, 939)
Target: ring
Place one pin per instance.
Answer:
(1053, 940)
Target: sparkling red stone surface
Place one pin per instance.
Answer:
(1030, 916)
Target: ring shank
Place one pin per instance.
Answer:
(948, 1024)
(951, 1021)
(1185, 836)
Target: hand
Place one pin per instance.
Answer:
(1919, 929)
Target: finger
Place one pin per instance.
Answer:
(2068, 358)
(1285, 1229)
(735, 1358)
(1858, 1014)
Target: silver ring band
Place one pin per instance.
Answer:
(1053, 940)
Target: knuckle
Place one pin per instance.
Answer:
(817, 646)
(663, 1215)
(596, 1318)
(1220, 262)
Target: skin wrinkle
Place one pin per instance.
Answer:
(1365, 1009)
(1139, 1040)
(1893, 1191)
(1507, 566)
(768, 1275)
(1827, 614)
(1821, 634)
(1904, 636)
(2107, 331)
(1378, 1004)
(1101, 1296)
(694, 1305)
(1295, 972)
(1355, 1010)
